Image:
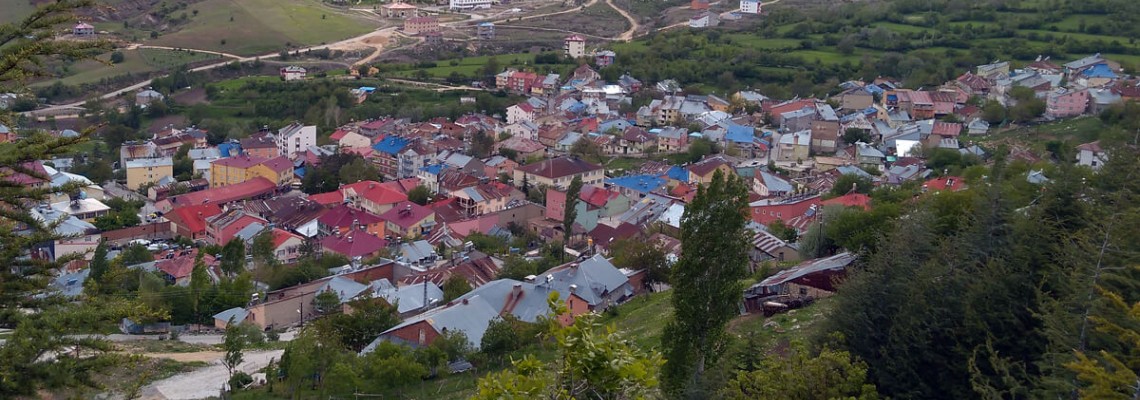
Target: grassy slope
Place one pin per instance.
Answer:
(15, 10)
(262, 26)
(135, 62)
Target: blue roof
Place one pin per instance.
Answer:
(434, 169)
(229, 149)
(873, 88)
(1099, 71)
(678, 173)
(739, 133)
(639, 183)
(368, 89)
(391, 145)
(300, 172)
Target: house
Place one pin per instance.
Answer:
(605, 58)
(595, 203)
(177, 266)
(766, 246)
(1066, 103)
(234, 170)
(419, 25)
(796, 212)
(292, 213)
(190, 221)
(868, 155)
(558, 172)
(951, 183)
(815, 278)
(250, 189)
(84, 209)
(293, 139)
(398, 10)
(704, 20)
(409, 299)
(372, 196)
(525, 148)
(574, 46)
(1091, 155)
(637, 186)
(145, 97)
(387, 153)
(520, 112)
(350, 139)
(433, 38)
(978, 126)
(486, 198)
(794, 147)
(75, 235)
(355, 243)
(293, 72)
(751, 7)
(141, 171)
(825, 130)
(767, 184)
(83, 29)
(236, 315)
(498, 165)
(990, 71)
(702, 172)
(343, 218)
(222, 227)
(485, 31)
(409, 220)
(261, 145)
(672, 139)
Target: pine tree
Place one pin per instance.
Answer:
(570, 212)
(706, 282)
(1113, 375)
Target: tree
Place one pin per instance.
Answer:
(570, 212)
(419, 195)
(855, 135)
(641, 255)
(830, 375)
(482, 144)
(233, 257)
(593, 362)
(993, 112)
(851, 183)
(199, 284)
(233, 342)
(700, 148)
(501, 337)
(587, 149)
(456, 285)
(1112, 375)
(326, 302)
(369, 317)
(706, 281)
(99, 262)
(781, 230)
(262, 248)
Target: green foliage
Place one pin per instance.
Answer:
(700, 148)
(456, 285)
(482, 144)
(570, 210)
(501, 337)
(781, 230)
(233, 257)
(1112, 375)
(335, 170)
(641, 255)
(517, 268)
(354, 330)
(327, 302)
(851, 183)
(419, 195)
(123, 214)
(261, 248)
(592, 363)
(706, 282)
(854, 135)
(994, 112)
(829, 375)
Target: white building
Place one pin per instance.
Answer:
(293, 72)
(469, 4)
(1091, 155)
(575, 46)
(750, 6)
(292, 140)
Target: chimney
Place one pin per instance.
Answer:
(573, 288)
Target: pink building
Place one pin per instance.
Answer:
(1066, 103)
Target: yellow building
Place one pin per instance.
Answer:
(233, 170)
(141, 171)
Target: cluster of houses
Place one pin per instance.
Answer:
(403, 251)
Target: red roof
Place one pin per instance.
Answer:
(345, 216)
(604, 235)
(783, 211)
(946, 128)
(279, 164)
(280, 236)
(596, 196)
(526, 107)
(328, 199)
(182, 263)
(402, 185)
(406, 214)
(575, 38)
(245, 190)
(706, 166)
(951, 183)
(338, 134)
(375, 192)
(1091, 146)
(357, 243)
(193, 217)
(851, 200)
(559, 167)
(377, 124)
(19, 178)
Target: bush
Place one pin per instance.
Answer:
(117, 57)
(239, 381)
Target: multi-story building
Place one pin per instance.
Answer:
(141, 171)
(558, 172)
(750, 6)
(469, 4)
(418, 25)
(574, 46)
(293, 139)
(485, 31)
(1065, 103)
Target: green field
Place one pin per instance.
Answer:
(135, 62)
(15, 10)
(468, 65)
(251, 27)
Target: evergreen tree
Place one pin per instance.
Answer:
(570, 212)
(99, 263)
(706, 282)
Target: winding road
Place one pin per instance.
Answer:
(633, 25)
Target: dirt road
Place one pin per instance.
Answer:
(206, 382)
(633, 25)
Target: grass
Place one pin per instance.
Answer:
(165, 346)
(15, 10)
(624, 163)
(599, 20)
(1072, 23)
(755, 42)
(250, 27)
(642, 320)
(138, 61)
(469, 65)
(902, 28)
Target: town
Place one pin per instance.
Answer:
(454, 251)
